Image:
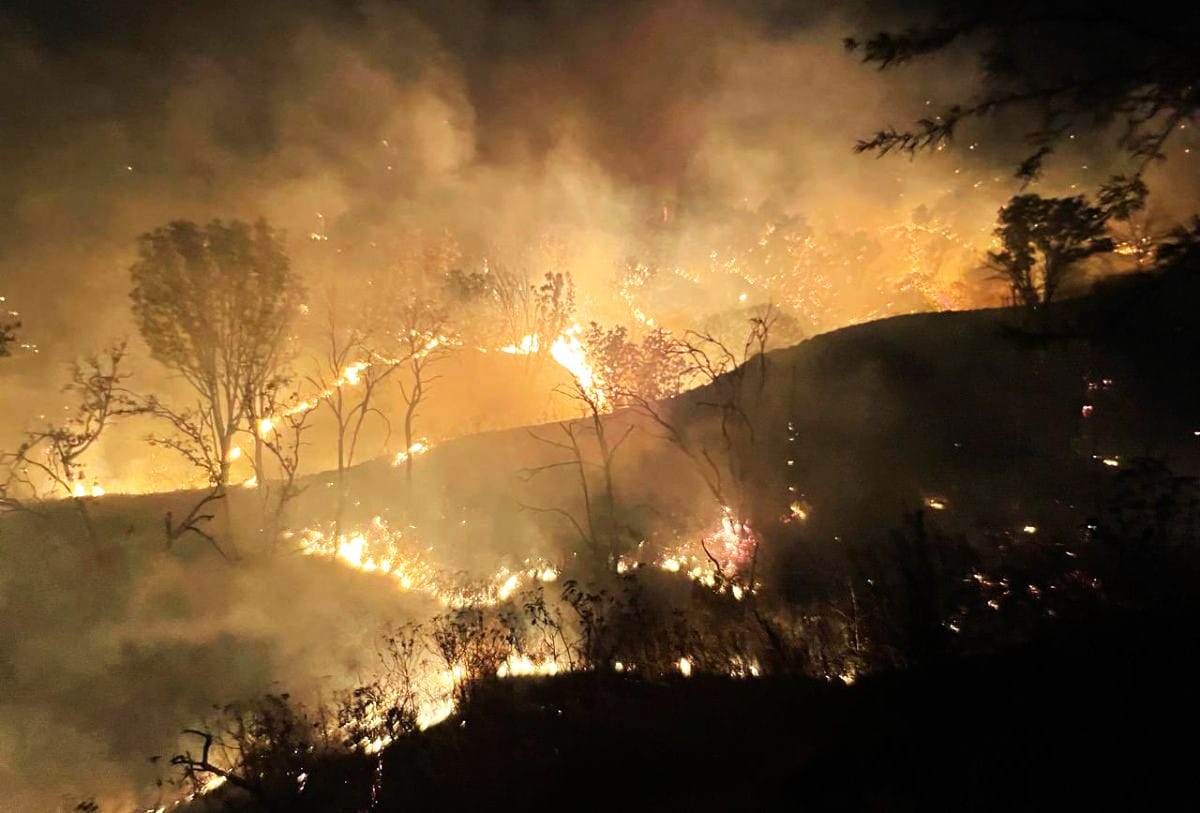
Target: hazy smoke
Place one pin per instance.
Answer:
(583, 133)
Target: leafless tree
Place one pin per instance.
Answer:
(348, 377)
(281, 437)
(421, 334)
(193, 438)
(723, 373)
(50, 460)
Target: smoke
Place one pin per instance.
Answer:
(579, 134)
(373, 123)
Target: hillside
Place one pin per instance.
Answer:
(103, 659)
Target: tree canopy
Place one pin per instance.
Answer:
(214, 303)
(1043, 240)
(1067, 65)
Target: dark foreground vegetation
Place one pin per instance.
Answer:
(1095, 716)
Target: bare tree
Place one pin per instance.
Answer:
(421, 333)
(281, 437)
(348, 377)
(703, 360)
(194, 439)
(579, 462)
(52, 457)
(214, 304)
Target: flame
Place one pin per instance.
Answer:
(419, 447)
(378, 548)
(528, 344)
(570, 353)
(81, 490)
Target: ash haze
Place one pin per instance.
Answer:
(575, 136)
(691, 166)
(599, 132)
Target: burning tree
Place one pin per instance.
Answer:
(1043, 241)
(53, 456)
(214, 304)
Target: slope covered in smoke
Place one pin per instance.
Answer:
(106, 656)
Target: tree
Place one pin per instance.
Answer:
(214, 304)
(1066, 67)
(281, 436)
(7, 337)
(1042, 242)
(651, 369)
(348, 375)
(1181, 249)
(53, 456)
(194, 439)
(421, 334)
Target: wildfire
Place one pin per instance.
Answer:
(378, 548)
(528, 345)
(570, 353)
(419, 447)
(715, 561)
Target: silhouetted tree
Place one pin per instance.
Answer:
(349, 374)
(192, 437)
(420, 332)
(1181, 249)
(264, 749)
(1065, 66)
(53, 457)
(214, 304)
(1042, 242)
